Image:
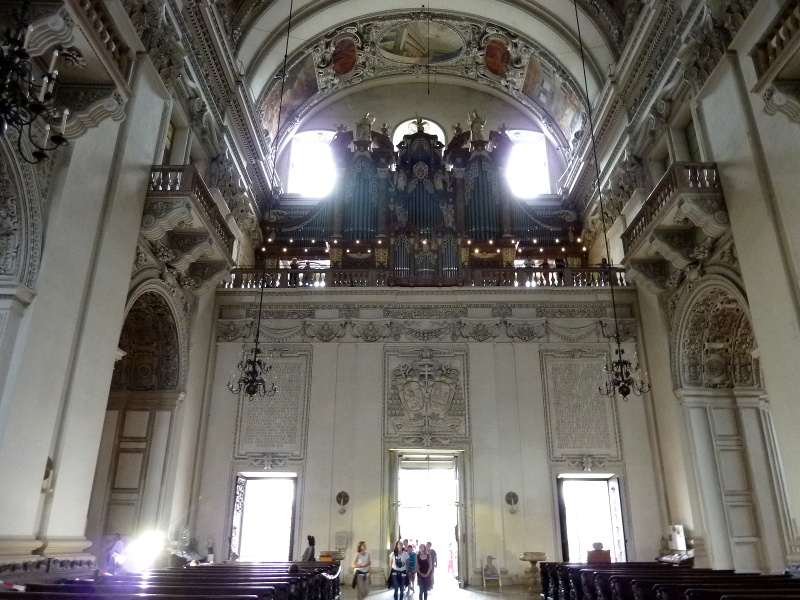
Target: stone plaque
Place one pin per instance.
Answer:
(277, 424)
(580, 420)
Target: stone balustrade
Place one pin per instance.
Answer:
(681, 187)
(184, 181)
(525, 277)
(777, 47)
(99, 28)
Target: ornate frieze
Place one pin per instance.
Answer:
(783, 97)
(426, 396)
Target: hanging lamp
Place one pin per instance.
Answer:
(622, 375)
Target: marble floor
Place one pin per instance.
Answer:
(448, 590)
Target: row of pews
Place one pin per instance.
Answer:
(233, 581)
(656, 581)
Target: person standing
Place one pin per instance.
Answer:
(399, 576)
(434, 562)
(309, 554)
(361, 564)
(412, 567)
(424, 572)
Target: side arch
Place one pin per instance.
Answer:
(714, 339)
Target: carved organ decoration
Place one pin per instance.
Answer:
(426, 396)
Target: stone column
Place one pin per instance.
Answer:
(57, 393)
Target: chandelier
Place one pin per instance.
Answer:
(27, 103)
(622, 374)
(252, 367)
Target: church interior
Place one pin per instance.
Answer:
(515, 276)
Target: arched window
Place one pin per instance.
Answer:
(410, 128)
(527, 170)
(311, 170)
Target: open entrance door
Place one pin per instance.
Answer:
(263, 517)
(428, 507)
(590, 512)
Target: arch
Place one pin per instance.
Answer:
(165, 310)
(534, 78)
(20, 220)
(715, 341)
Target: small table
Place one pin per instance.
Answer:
(533, 558)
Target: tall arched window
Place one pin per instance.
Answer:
(311, 169)
(527, 170)
(410, 128)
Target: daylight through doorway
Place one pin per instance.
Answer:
(265, 517)
(428, 496)
(590, 513)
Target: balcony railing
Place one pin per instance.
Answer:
(777, 46)
(525, 277)
(185, 181)
(695, 178)
(100, 29)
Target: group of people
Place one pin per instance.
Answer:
(412, 565)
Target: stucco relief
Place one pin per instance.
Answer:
(425, 395)
(20, 219)
(715, 342)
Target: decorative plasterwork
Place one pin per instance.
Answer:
(427, 330)
(783, 97)
(89, 105)
(714, 344)
(426, 396)
(20, 220)
(559, 105)
(180, 307)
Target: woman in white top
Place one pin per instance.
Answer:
(361, 564)
(399, 563)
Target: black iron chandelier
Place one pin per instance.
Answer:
(253, 368)
(27, 102)
(623, 375)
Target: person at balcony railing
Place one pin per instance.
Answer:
(561, 264)
(602, 276)
(308, 278)
(293, 275)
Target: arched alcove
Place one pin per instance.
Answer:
(715, 340)
(150, 342)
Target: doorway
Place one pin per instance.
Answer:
(590, 511)
(428, 508)
(263, 517)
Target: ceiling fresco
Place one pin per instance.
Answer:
(398, 46)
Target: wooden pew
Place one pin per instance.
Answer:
(88, 587)
(77, 596)
(599, 584)
(791, 592)
(653, 590)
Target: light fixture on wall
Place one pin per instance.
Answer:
(27, 103)
(253, 367)
(623, 375)
(512, 499)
